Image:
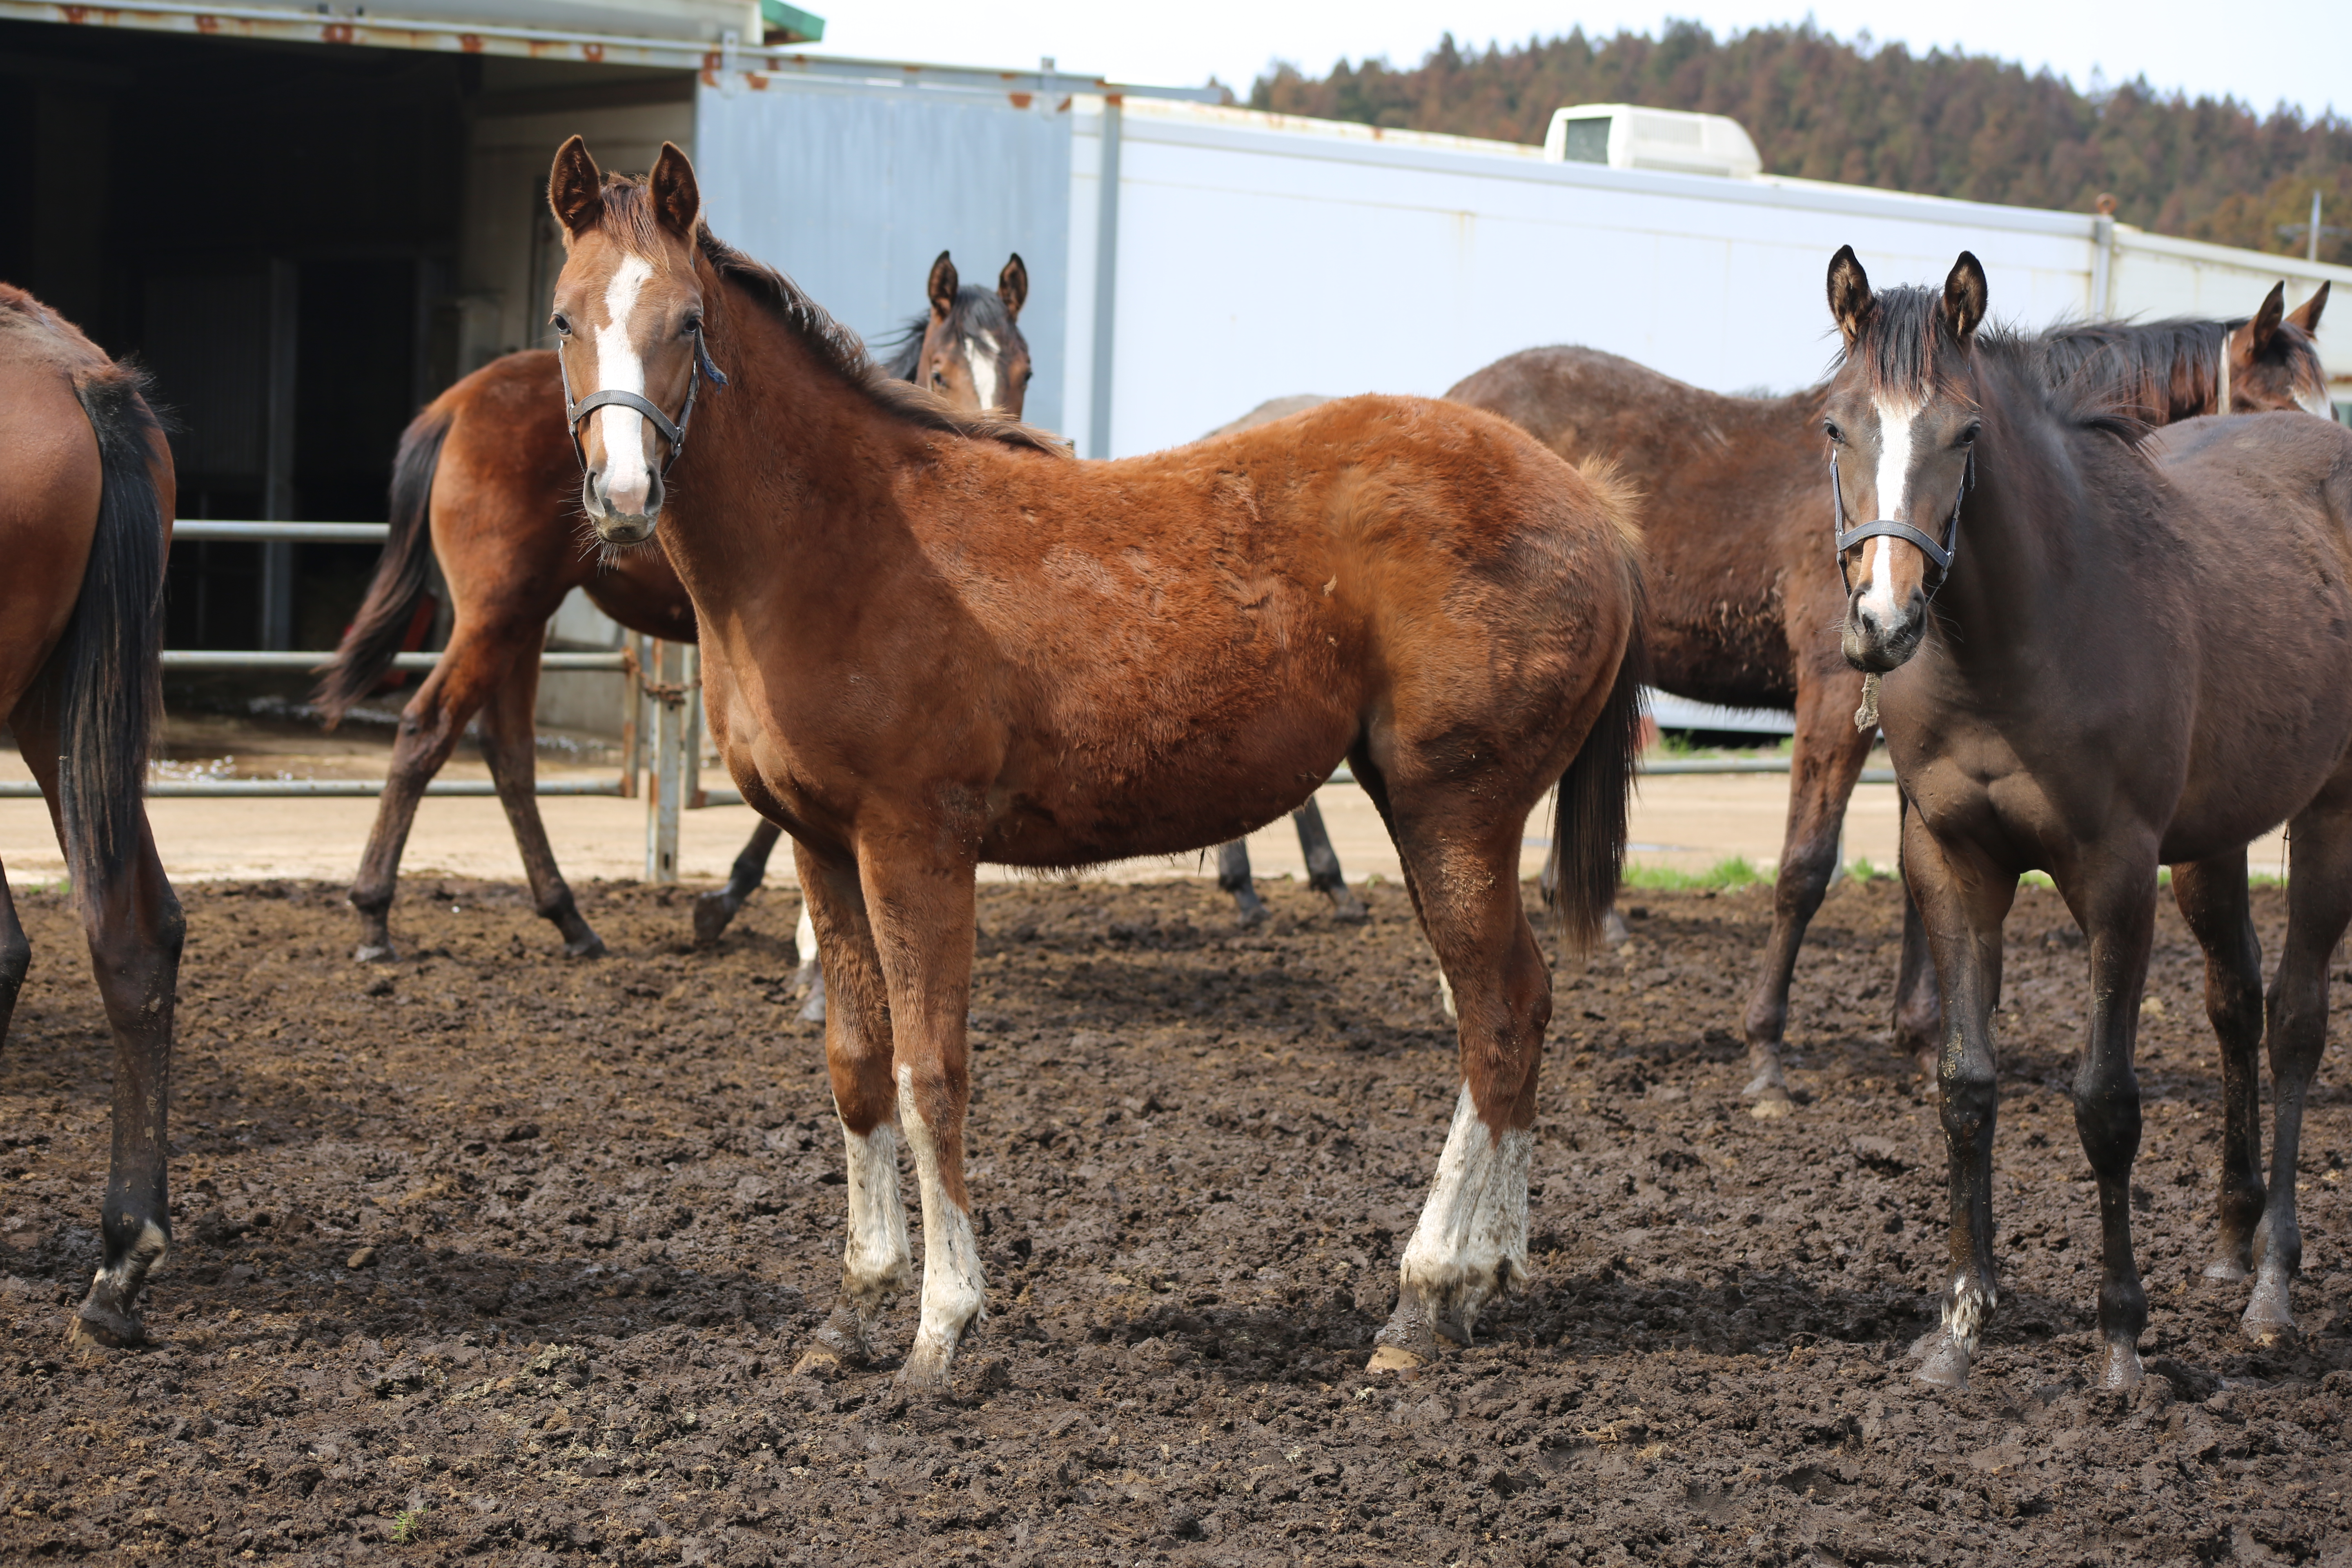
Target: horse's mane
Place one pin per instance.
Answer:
(1908, 354)
(977, 310)
(837, 348)
(2153, 365)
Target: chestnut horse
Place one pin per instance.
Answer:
(85, 519)
(931, 640)
(1745, 604)
(485, 483)
(2098, 660)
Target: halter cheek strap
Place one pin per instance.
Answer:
(1940, 552)
(613, 397)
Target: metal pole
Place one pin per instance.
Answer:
(1105, 281)
(690, 763)
(2312, 251)
(278, 453)
(632, 761)
(669, 782)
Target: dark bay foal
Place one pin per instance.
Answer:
(2099, 656)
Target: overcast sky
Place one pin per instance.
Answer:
(2298, 53)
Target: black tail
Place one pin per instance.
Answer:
(110, 662)
(400, 573)
(1588, 827)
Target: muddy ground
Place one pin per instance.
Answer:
(488, 1255)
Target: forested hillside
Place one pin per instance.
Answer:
(1952, 125)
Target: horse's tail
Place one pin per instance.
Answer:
(401, 573)
(1589, 823)
(110, 662)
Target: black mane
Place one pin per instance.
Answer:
(1909, 352)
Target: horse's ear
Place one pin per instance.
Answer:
(2307, 315)
(575, 190)
(1964, 297)
(1850, 302)
(677, 200)
(1013, 286)
(941, 289)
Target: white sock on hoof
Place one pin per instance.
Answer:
(874, 1260)
(1473, 1234)
(955, 1292)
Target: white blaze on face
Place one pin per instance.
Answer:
(627, 480)
(980, 352)
(1473, 1235)
(1893, 493)
(955, 1290)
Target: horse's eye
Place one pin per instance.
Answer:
(563, 324)
(1829, 428)
(693, 324)
(939, 381)
(1968, 435)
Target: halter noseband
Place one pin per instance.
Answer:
(697, 368)
(1940, 553)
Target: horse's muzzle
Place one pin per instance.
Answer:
(615, 527)
(1874, 642)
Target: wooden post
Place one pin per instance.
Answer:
(691, 762)
(632, 701)
(669, 690)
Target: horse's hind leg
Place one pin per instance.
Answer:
(2212, 899)
(1323, 873)
(2319, 904)
(510, 745)
(858, 1049)
(1827, 759)
(1233, 877)
(714, 909)
(1472, 1241)
(429, 728)
(15, 958)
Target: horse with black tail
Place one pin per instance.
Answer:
(85, 522)
(2100, 651)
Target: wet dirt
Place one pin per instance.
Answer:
(490, 1255)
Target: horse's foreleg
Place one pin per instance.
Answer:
(2119, 918)
(429, 728)
(1918, 1011)
(2212, 899)
(1472, 1241)
(1233, 877)
(15, 958)
(1826, 759)
(1323, 873)
(510, 745)
(714, 909)
(924, 927)
(1963, 905)
(2319, 904)
(858, 1049)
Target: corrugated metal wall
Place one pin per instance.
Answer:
(854, 193)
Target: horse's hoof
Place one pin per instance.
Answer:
(1346, 908)
(841, 1340)
(1614, 931)
(1394, 1358)
(813, 1010)
(589, 946)
(373, 953)
(2269, 1321)
(712, 914)
(1250, 915)
(819, 1363)
(1772, 1106)
(926, 1366)
(2123, 1368)
(2229, 1270)
(1946, 1362)
(99, 1327)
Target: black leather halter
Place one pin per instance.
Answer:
(697, 368)
(1941, 551)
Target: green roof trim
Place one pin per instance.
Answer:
(790, 25)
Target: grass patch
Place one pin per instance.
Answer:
(409, 1524)
(1735, 872)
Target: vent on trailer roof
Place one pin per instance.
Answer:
(1626, 136)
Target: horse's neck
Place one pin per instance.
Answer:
(2020, 534)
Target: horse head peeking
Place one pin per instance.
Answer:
(628, 322)
(1902, 422)
(2268, 361)
(968, 347)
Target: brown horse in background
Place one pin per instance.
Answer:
(931, 640)
(1745, 604)
(2098, 659)
(85, 519)
(486, 484)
